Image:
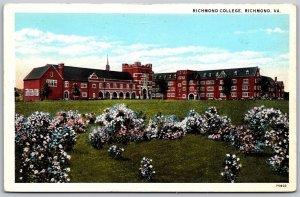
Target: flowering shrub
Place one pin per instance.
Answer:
(89, 117)
(146, 171)
(195, 123)
(43, 158)
(218, 126)
(164, 127)
(70, 118)
(115, 151)
(64, 136)
(232, 168)
(98, 137)
(121, 123)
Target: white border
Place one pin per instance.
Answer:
(9, 82)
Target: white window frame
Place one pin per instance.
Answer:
(51, 74)
(36, 92)
(221, 82)
(179, 85)
(83, 85)
(202, 82)
(191, 88)
(210, 95)
(245, 94)
(210, 88)
(233, 88)
(234, 81)
(245, 87)
(100, 85)
(220, 87)
(84, 94)
(233, 94)
(66, 84)
(245, 81)
(94, 85)
(51, 82)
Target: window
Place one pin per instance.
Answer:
(204, 75)
(233, 87)
(36, 92)
(210, 88)
(107, 85)
(202, 82)
(51, 74)
(168, 94)
(31, 93)
(184, 83)
(133, 86)
(246, 81)
(191, 88)
(93, 85)
(220, 87)
(84, 94)
(222, 95)
(183, 77)
(234, 81)
(254, 87)
(121, 85)
(245, 94)
(210, 95)
(245, 87)
(233, 94)
(179, 84)
(184, 89)
(83, 85)
(127, 86)
(208, 82)
(26, 92)
(191, 82)
(170, 83)
(202, 88)
(100, 85)
(173, 94)
(66, 84)
(179, 77)
(221, 82)
(115, 85)
(184, 96)
(247, 72)
(209, 74)
(235, 73)
(217, 74)
(202, 95)
(51, 83)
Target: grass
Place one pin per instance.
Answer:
(194, 158)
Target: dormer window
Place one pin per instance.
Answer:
(209, 74)
(235, 73)
(247, 72)
(217, 74)
(204, 75)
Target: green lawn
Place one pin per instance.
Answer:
(194, 158)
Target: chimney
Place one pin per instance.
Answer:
(275, 79)
(61, 69)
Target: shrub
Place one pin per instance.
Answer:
(70, 118)
(195, 123)
(218, 126)
(43, 158)
(115, 152)
(98, 137)
(232, 168)
(164, 127)
(122, 124)
(146, 171)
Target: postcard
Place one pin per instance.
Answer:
(150, 98)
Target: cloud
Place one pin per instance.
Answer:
(36, 48)
(266, 30)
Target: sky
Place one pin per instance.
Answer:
(169, 41)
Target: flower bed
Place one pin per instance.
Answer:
(146, 171)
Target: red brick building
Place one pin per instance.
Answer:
(137, 81)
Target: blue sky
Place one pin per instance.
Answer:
(168, 41)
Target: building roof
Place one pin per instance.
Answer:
(79, 74)
(233, 72)
(37, 73)
(164, 76)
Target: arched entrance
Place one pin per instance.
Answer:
(114, 95)
(144, 93)
(100, 95)
(121, 95)
(66, 95)
(107, 95)
(127, 95)
(191, 97)
(133, 95)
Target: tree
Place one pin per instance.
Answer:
(163, 86)
(16, 94)
(265, 85)
(75, 90)
(227, 83)
(45, 90)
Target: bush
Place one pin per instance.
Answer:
(122, 124)
(146, 171)
(164, 127)
(115, 152)
(43, 158)
(98, 137)
(195, 123)
(70, 118)
(232, 168)
(218, 126)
